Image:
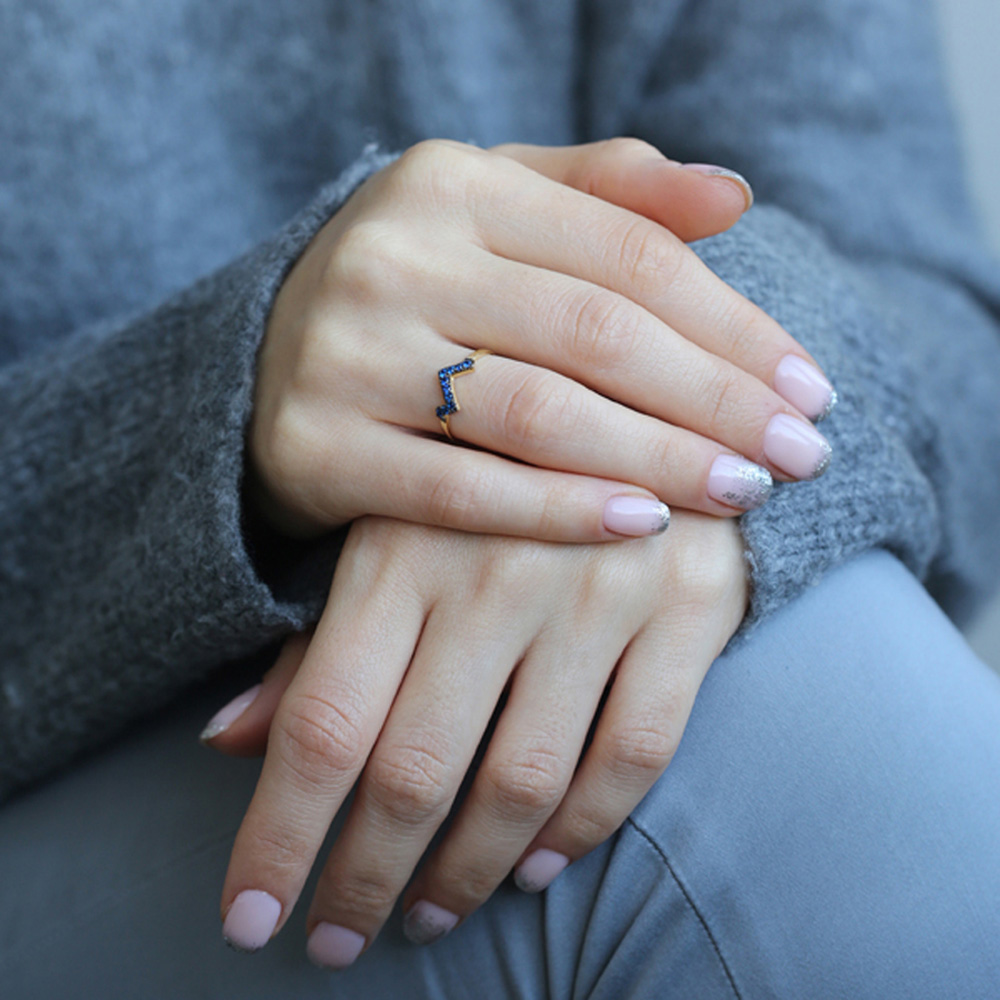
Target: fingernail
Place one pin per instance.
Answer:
(426, 922)
(804, 386)
(226, 716)
(251, 920)
(796, 447)
(334, 947)
(636, 516)
(738, 482)
(538, 869)
(710, 170)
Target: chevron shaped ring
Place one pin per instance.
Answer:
(446, 379)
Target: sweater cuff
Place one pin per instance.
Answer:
(124, 462)
(287, 577)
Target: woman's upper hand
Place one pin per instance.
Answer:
(625, 372)
(424, 632)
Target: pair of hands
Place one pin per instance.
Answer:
(625, 374)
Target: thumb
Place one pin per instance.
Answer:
(692, 200)
(240, 728)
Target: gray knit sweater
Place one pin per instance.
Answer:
(155, 160)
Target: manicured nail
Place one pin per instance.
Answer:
(636, 516)
(538, 869)
(796, 447)
(805, 387)
(226, 716)
(426, 922)
(334, 947)
(251, 920)
(735, 481)
(710, 170)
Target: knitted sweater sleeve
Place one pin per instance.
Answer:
(863, 245)
(126, 568)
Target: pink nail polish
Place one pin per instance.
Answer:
(334, 947)
(227, 715)
(426, 922)
(538, 869)
(636, 516)
(739, 483)
(711, 170)
(805, 387)
(796, 447)
(251, 920)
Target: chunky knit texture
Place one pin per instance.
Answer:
(153, 155)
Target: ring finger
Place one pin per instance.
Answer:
(636, 737)
(607, 342)
(520, 783)
(548, 420)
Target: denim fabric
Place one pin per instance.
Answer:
(828, 830)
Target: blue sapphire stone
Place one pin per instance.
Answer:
(447, 390)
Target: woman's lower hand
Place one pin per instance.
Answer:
(625, 372)
(424, 630)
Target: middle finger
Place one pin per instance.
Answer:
(585, 237)
(426, 745)
(614, 346)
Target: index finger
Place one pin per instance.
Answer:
(607, 245)
(321, 736)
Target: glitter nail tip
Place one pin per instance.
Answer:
(426, 922)
(739, 483)
(804, 386)
(796, 448)
(537, 871)
(636, 516)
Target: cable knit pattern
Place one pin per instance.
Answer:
(150, 149)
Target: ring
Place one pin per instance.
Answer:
(446, 378)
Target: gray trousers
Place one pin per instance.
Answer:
(830, 828)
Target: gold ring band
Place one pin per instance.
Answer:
(446, 379)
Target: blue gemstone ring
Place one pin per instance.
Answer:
(446, 379)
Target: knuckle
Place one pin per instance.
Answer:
(363, 893)
(640, 750)
(528, 784)
(456, 495)
(318, 736)
(604, 331)
(470, 883)
(663, 454)
(278, 443)
(534, 413)
(283, 852)
(630, 146)
(648, 259)
(436, 167)
(606, 156)
(411, 784)
(705, 572)
(502, 578)
(584, 829)
(430, 153)
(364, 262)
(731, 325)
(728, 394)
(741, 329)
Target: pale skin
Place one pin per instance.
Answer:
(621, 358)
(631, 368)
(423, 630)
